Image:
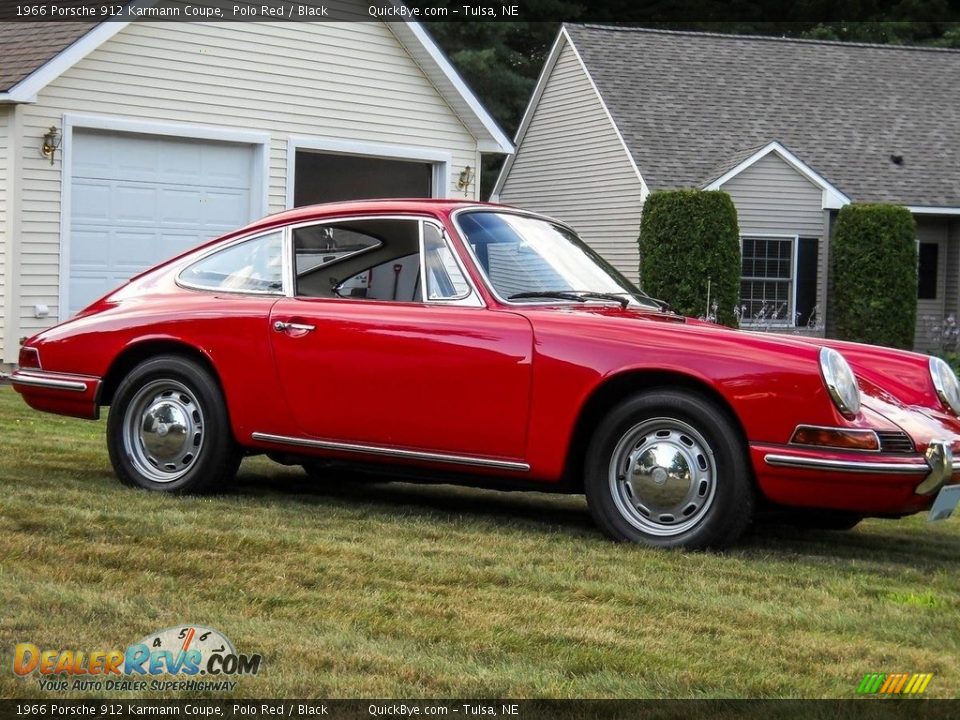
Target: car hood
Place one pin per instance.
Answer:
(894, 383)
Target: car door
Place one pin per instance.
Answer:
(386, 344)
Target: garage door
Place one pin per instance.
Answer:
(139, 199)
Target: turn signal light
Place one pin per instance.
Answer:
(29, 358)
(842, 438)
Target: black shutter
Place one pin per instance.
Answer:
(807, 253)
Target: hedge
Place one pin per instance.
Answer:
(687, 238)
(874, 264)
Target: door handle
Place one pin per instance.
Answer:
(281, 326)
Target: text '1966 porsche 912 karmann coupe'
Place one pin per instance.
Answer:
(465, 342)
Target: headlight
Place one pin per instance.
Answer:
(840, 381)
(945, 381)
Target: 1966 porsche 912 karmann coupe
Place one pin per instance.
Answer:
(473, 343)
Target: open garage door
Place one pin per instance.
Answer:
(328, 177)
(139, 199)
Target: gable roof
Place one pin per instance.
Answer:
(693, 106)
(26, 46)
(36, 53)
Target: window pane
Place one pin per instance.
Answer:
(927, 271)
(766, 287)
(251, 266)
(356, 258)
(444, 279)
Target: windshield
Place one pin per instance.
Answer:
(527, 259)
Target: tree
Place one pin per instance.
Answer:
(874, 264)
(689, 249)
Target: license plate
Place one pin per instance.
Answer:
(945, 504)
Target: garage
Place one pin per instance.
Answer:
(330, 177)
(138, 199)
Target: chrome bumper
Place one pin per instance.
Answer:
(937, 465)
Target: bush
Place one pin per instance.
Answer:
(874, 263)
(687, 238)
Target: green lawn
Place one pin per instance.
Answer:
(396, 590)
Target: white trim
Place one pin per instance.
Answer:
(441, 160)
(563, 39)
(932, 210)
(497, 142)
(795, 239)
(832, 198)
(258, 201)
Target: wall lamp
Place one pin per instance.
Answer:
(466, 177)
(51, 143)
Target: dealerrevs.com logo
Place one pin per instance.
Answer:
(187, 657)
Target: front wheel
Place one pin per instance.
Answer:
(168, 428)
(668, 469)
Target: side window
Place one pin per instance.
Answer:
(252, 266)
(383, 259)
(444, 280)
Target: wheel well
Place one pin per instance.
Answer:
(133, 356)
(614, 390)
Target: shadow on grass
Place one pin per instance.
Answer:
(885, 541)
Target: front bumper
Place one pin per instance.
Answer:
(860, 482)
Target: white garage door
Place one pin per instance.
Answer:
(139, 199)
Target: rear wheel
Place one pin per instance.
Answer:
(668, 469)
(168, 428)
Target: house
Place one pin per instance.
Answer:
(793, 130)
(171, 133)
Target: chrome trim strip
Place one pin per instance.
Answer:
(794, 461)
(19, 378)
(392, 452)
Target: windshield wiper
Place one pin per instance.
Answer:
(575, 295)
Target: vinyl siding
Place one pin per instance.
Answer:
(334, 81)
(772, 198)
(930, 313)
(571, 165)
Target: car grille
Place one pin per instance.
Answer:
(895, 441)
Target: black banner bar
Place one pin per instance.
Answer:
(860, 709)
(639, 11)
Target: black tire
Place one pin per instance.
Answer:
(179, 405)
(821, 519)
(722, 511)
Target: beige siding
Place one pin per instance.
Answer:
(5, 112)
(772, 198)
(571, 165)
(930, 313)
(335, 81)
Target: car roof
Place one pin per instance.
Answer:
(429, 206)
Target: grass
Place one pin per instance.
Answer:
(396, 590)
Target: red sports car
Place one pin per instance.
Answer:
(472, 343)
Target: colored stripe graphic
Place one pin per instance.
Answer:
(894, 683)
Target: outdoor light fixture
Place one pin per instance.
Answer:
(466, 177)
(51, 143)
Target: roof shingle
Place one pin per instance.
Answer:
(692, 105)
(27, 46)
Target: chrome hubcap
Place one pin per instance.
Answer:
(163, 430)
(663, 476)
